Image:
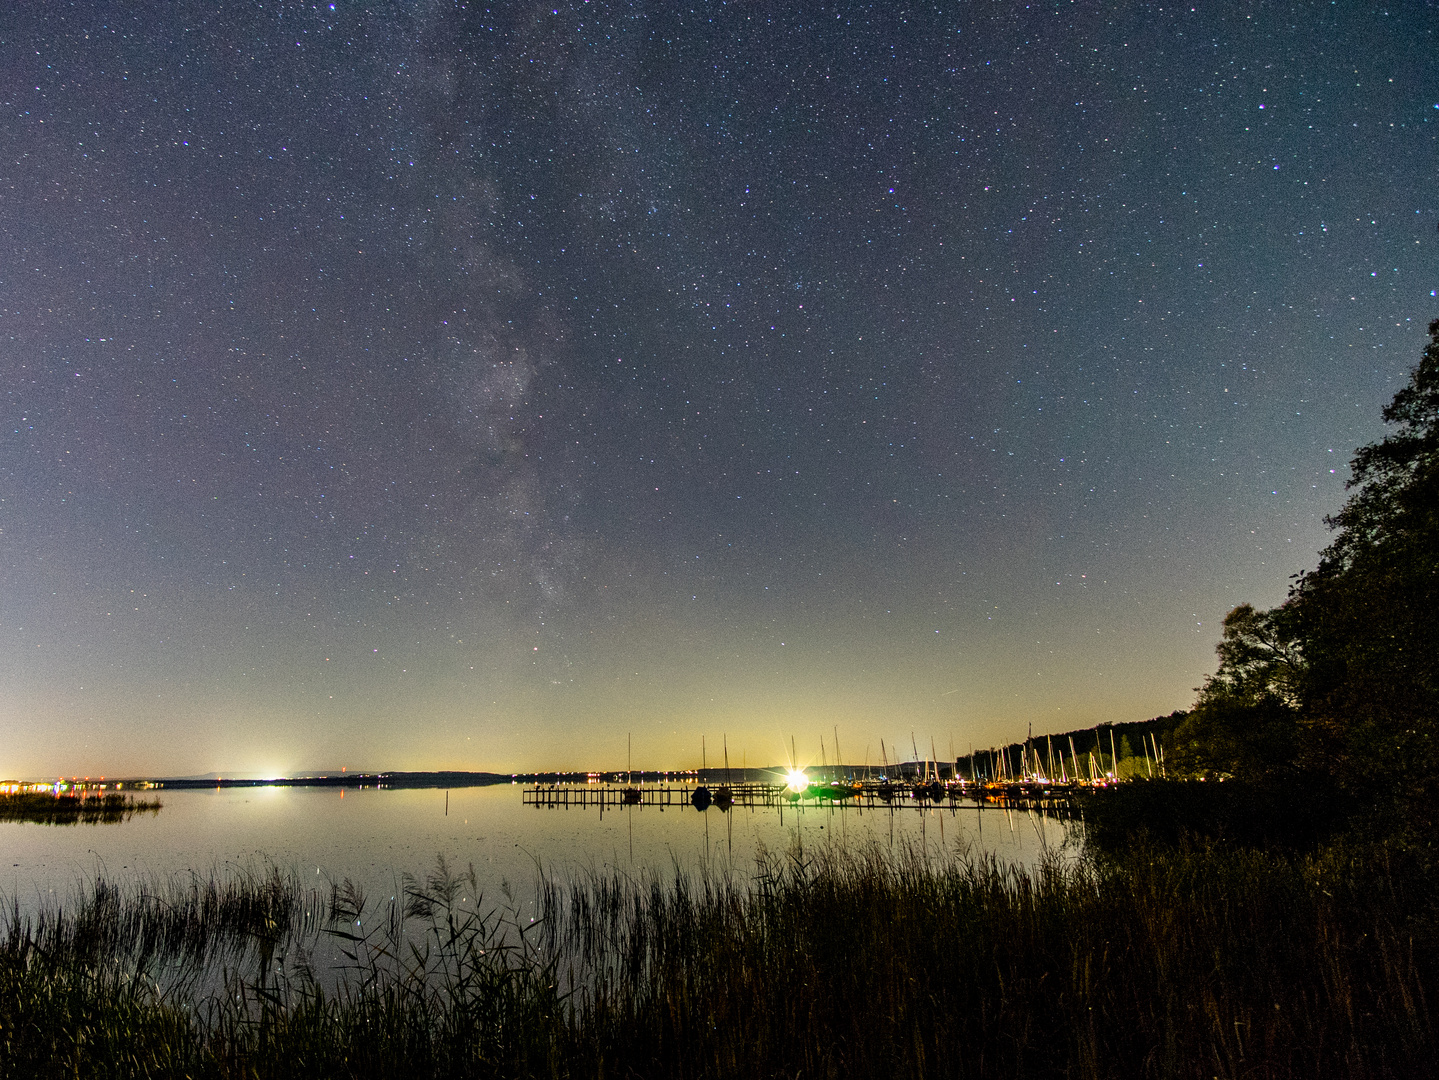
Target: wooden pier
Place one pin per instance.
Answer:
(868, 795)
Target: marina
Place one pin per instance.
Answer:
(881, 794)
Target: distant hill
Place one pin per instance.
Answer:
(442, 779)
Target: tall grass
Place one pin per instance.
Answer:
(847, 964)
(836, 962)
(43, 808)
(116, 984)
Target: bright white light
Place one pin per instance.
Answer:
(798, 781)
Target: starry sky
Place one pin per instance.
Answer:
(439, 385)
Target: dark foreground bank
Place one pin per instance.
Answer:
(1155, 962)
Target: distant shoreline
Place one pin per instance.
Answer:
(444, 779)
(714, 774)
(348, 780)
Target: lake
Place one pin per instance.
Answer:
(374, 836)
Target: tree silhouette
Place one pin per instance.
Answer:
(1343, 678)
(1369, 615)
(1245, 723)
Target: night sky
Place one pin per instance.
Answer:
(434, 385)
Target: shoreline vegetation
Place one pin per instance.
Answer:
(1168, 960)
(45, 808)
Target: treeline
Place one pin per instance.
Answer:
(1322, 719)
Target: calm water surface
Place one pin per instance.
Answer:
(375, 836)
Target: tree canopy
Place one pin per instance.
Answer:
(1245, 722)
(1341, 678)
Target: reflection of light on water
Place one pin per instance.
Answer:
(377, 836)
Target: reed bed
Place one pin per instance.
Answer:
(821, 963)
(45, 809)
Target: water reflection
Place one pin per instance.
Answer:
(373, 837)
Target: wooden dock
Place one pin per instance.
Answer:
(868, 795)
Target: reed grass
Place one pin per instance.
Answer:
(1172, 962)
(43, 808)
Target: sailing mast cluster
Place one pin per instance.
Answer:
(1032, 774)
(1044, 764)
